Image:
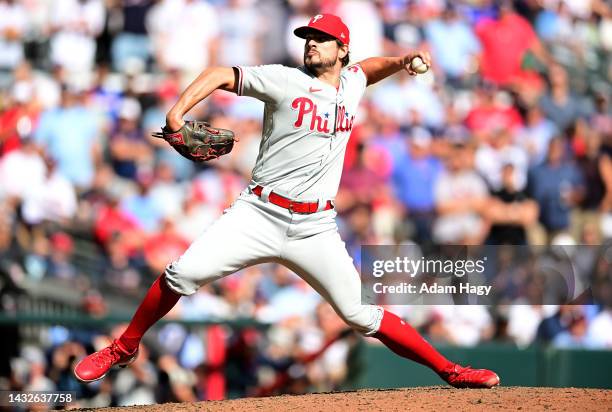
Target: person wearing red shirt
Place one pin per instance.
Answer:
(164, 245)
(505, 41)
(18, 119)
(113, 225)
(488, 116)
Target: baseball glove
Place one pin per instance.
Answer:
(199, 141)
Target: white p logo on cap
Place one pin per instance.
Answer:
(317, 17)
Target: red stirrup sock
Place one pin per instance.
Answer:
(158, 301)
(404, 340)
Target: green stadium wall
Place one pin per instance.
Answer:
(534, 366)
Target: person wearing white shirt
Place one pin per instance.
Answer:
(13, 25)
(599, 334)
(75, 25)
(53, 199)
(184, 34)
(21, 171)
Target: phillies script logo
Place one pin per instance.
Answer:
(307, 110)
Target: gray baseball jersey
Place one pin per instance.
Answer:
(306, 126)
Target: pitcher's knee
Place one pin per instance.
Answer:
(182, 278)
(364, 319)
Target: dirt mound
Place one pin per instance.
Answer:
(428, 399)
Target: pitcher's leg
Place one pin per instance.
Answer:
(322, 260)
(156, 304)
(232, 242)
(243, 236)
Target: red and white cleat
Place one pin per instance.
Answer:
(466, 377)
(97, 365)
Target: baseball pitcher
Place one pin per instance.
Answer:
(286, 214)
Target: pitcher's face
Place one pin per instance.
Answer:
(321, 51)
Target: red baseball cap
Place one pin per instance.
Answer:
(326, 23)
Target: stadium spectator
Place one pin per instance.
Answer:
(105, 97)
(141, 207)
(575, 335)
(498, 151)
(460, 194)
(363, 181)
(128, 149)
(165, 186)
(136, 385)
(240, 36)
(415, 172)
(53, 199)
(524, 321)
(21, 170)
(181, 380)
(559, 323)
(491, 113)
(505, 40)
(536, 134)
(184, 28)
(60, 257)
(121, 272)
(14, 24)
(20, 118)
(205, 304)
(409, 102)
(599, 335)
(132, 46)
(357, 229)
(114, 225)
(511, 211)
(295, 299)
(557, 186)
(30, 371)
(195, 216)
(74, 26)
(164, 246)
(69, 133)
(595, 166)
(601, 118)
(328, 371)
(461, 325)
(560, 104)
(454, 46)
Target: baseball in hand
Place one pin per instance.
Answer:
(418, 65)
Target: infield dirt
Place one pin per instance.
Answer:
(423, 399)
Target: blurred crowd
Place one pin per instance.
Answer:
(506, 140)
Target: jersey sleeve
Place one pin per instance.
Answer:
(356, 77)
(267, 83)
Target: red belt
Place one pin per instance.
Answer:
(295, 207)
